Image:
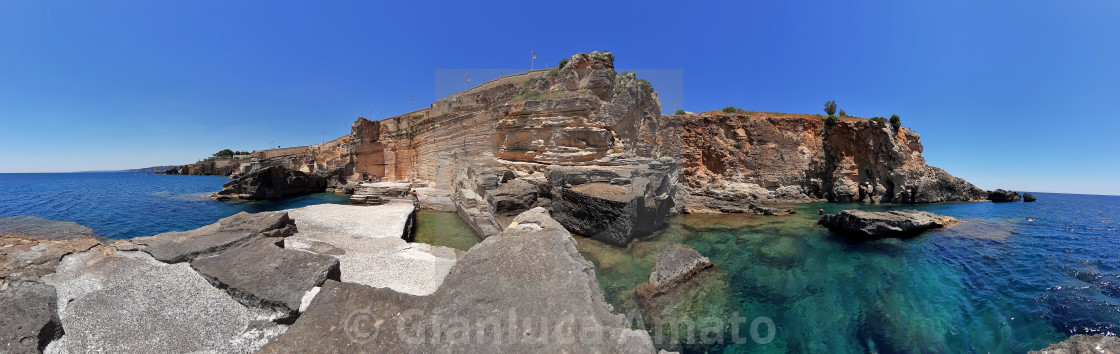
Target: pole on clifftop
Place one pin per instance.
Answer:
(532, 62)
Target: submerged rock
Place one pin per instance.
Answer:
(883, 224)
(676, 265)
(684, 286)
(1003, 196)
(28, 318)
(1083, 343)
(1027, 197)
(528, 289)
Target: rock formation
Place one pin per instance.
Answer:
(1004, 196)
(676, 265)
(683, 286)
(895, 223)
(1027, 197)
(1083, 344)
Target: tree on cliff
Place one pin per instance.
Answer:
(830, 107)
(896, 122)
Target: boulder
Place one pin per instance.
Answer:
(272, 182)
(28, 318)
(174, 247)
(613, 204)
(1003, 196)
(261, 274)
(1027, 197)
(676, 265)
(513, 197)
(527, 290)
(128, 302)
(868, 224)
(1083, 343)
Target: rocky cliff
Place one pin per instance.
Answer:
(728, 160)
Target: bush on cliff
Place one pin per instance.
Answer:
(679, 111)
(562, 63)
(896, 122)
(733, 109)
(831, 120)
(830, 107)
(843, 114)
(877, 120)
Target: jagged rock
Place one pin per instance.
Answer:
(28, 318)
(27, 260)
(676, 265)
(527, 274)
(272, 182)
(765, 210)
(261, 274)
(435, 199)
(471, 183)
(513, 197)
(174, 247)
(127, 302)
(883, 224)
(1083, 344)
(1004, 196)
(1027, 197)
(612, 204)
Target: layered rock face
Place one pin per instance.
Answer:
(728, 160)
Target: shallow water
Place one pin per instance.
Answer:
(443, 229)
(995, 283)
(125, 205)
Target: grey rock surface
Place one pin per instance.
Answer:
(513, 197)
(174, 247)
(274, 182)
(883, 224)
(1083, 344)
(676, 264)
(529, 281)
(261, 274)
(613, 204)
(28, 318)
(27, 260)
(127, 302)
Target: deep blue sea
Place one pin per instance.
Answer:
(126, 205)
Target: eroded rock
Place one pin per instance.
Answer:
(1083, 344)
(613, 204)
(884, 224)
(676, 265)
(1004, 196)
(174, 247)
(28, 318)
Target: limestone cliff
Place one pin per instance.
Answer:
(728, 160)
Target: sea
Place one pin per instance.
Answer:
(1012, 277)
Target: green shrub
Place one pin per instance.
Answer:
(679, 111)
(562, 63)
(843, 114)
(896, 122)
(738, 146)
(831, 120)
(877, 120)
(830, 107)
(733, 109)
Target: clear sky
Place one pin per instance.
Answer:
(1012, 94)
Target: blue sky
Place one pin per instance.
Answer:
(1012, 94)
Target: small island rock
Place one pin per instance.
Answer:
(883, 224)
(1003, 196)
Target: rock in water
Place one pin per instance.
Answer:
(273, 182)
(883, 224)
(1083, 343)
(1027, 197)
(676, 265)
(1003, 196)
(613, 204)
(528, 288)
(28, 318)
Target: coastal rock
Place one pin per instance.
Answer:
(513, 197)
(128, 302)
(28, 318)
(1083, 344)
(1004, 196)
(528, 285)
(435, 199)
(883, 224)
(374, 193)
(676, 265)
(472, 182)
(613, 204)
(28, 260)
(272, 182)
(174, 247)
(1027, 197)
(369, 242)
(260, 274)
(765, 210)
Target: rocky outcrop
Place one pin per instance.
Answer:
(729, 160)
(612, 204)
(27, 260)
(1027, 197)
(676, 265)
(521, 285)
(28, 318)
(1083, 344)
(236, 230)
(1004, 196)
(867, 224)
(275, 182)
(376, 193)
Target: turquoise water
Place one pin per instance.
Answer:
(998, 282)
(125, 205)
(444, 229)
